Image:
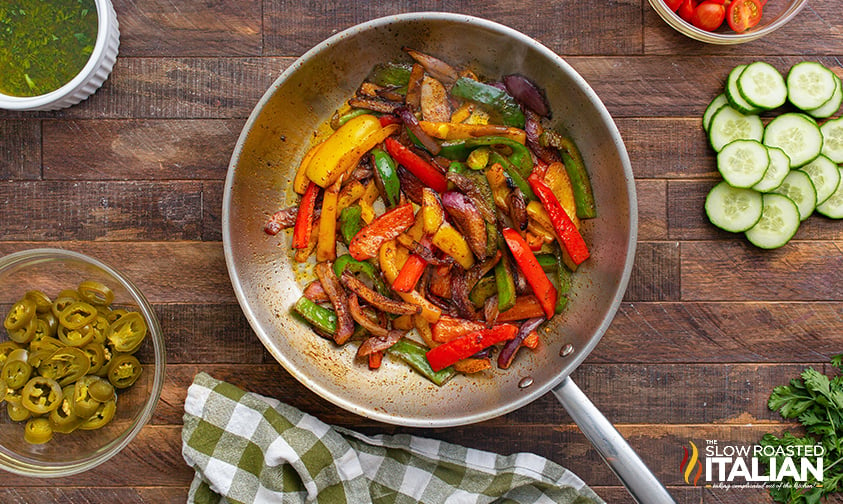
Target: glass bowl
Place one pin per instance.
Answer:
(776, 13)
(51, 271)
(89, 79)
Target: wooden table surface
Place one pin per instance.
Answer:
(708, 326)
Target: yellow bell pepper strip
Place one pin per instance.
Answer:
(327, 163)
(423, 328)
(462, 112)
(352, 191)
(568, 234)
(391, 258)
(536, 278)
(300, 181)
(367, 210)
(424, 171)
(457, 131)
(433, 215)
(387, 226)
(497, 181)
(449, 240)
(575, 167)
(304, 219)
(556, 177)
(463, 347)
(351, 159)
(326, 243)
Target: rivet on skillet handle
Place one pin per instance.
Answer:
(641, 483)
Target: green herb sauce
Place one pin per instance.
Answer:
(44, 43)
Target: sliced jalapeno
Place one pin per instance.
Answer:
(51, 320)
(103, 415)
(46, 343)
(95, 292)
(41, 395)
(100, 325)
(25, 333)
(37, 431)
(63, 301)
(127, 333)
(77, 314)
(15, 409)
(16, 371)
(63, 419)
(36, 358)
(43, 303)
(115, 315)
(124, 370)
(6, 348)
(96, 356)
(20, 314)
(85, 405)
(42, 329)
(76, 337)
(66, 365)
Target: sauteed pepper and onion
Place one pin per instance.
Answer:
(444, 217)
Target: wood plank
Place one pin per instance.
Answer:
(624, 393)
(668, 148)
(20, 150)
(93, 495)
(652, 210)
(565, 26)
(655, 273)
(713, 332)
(195, 28)
(166, 272)
(139, 149)
(686, 218)
(92, 210)
(735, 270)
(817, 21)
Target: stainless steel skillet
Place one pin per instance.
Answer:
(267, 282)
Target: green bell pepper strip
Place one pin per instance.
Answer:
(521, 159)
(322, 318)
(514, 175)
(350, 222)
(496, 99)
(387, 174)
(505, 283)
(338, 119)
(483, 290)
(346, 262)
(414, 355)
(574, 165)
(390, 74)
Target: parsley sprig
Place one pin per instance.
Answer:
(816, 401)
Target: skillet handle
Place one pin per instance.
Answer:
(641, 483)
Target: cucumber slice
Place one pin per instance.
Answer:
(728, 125)
(762, 86)
(832, 132)
(797, 186)
(779, 222)
(830, 107)
(715, 105)
(743, 163)
(833, 206)
(733, 93)
(810, 85)
(797, 135)
(733, 209)
(776, 172)
(824, 175)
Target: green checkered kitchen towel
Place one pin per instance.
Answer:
(248, 448)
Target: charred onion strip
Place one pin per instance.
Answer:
(437, 68)
(374, 104)
(315, 292)
(511, 347)
(412, 123)
(361, 318)
(282, 219)
(377, 300)
(379, 344)
(335, 292)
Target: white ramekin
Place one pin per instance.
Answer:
(89, 79)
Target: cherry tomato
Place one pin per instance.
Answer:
(686, 10)
(708, 15)
(743, 14)
(673, 4)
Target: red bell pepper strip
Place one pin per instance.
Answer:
(387, 226)
(448, 353)
(427, 173)
(388, 119)
(563, 225)
(304, 219)
(536, 278)
(410, 273)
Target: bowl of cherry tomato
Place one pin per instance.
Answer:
(726, 21)
(81, 362)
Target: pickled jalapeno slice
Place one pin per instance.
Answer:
(124, 370)
(41, 395)
(77, 314)
(95, 292)
(127, 333)
(20, 314)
